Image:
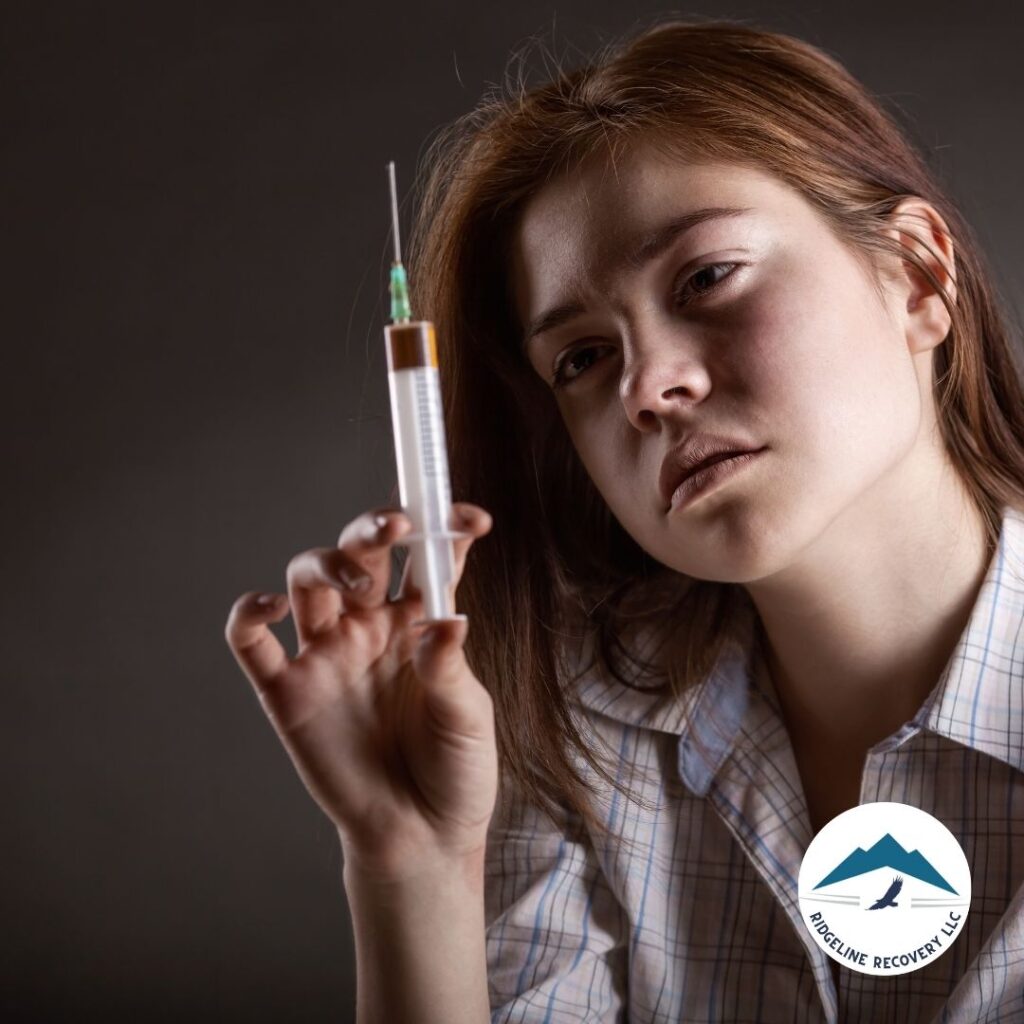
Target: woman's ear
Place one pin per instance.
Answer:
(918, 225)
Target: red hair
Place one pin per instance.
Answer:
(557, 566)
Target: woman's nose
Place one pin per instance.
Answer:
(661, 375)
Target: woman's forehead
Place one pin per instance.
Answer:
(601, 222)
(631, 197)
(601, 208)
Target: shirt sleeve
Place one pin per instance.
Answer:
(556, 934)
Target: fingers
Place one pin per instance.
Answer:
(325, 582)
(472, 522)
(257, 651)
(366, 543)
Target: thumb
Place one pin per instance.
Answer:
(438, 658)
(440, 665)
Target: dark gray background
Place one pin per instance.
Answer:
(195, 225)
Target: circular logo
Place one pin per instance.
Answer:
(884, 888)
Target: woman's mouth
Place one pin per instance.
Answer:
(710, 476)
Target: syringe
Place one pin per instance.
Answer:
(421, 453)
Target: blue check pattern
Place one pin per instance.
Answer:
(690, 913)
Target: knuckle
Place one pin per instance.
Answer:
(237, 612)
(304, 564)
(382, 517)
(365, 529)
(295, 563)
(355, 529)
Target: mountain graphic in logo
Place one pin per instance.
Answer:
(886, 853)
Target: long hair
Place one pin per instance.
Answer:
(558, 571)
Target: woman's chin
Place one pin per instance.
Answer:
(736, 545)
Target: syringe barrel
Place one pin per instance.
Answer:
(421, 457)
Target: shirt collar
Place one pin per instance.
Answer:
(707, 716)
(978, 701)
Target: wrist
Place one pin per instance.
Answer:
(420, 938)
(422, 871)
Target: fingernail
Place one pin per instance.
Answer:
(354, 581)
(380, 522)
(266, 599)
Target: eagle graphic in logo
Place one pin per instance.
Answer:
(889, 899)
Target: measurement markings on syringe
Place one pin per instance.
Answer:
(429, 417)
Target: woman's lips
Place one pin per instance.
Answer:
(710, 476)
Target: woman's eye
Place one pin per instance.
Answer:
(700, 273)
(559, 379)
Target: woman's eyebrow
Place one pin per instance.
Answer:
(651, 245)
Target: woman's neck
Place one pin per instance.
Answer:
(857, 634)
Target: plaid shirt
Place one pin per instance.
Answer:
(690, 912)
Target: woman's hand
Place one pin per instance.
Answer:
(392, 734)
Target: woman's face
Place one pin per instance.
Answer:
(783, 344)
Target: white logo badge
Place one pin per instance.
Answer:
(884, 888)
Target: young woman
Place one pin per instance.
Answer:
(709, 243)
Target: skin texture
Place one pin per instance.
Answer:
(389, 730)
(851, 532)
